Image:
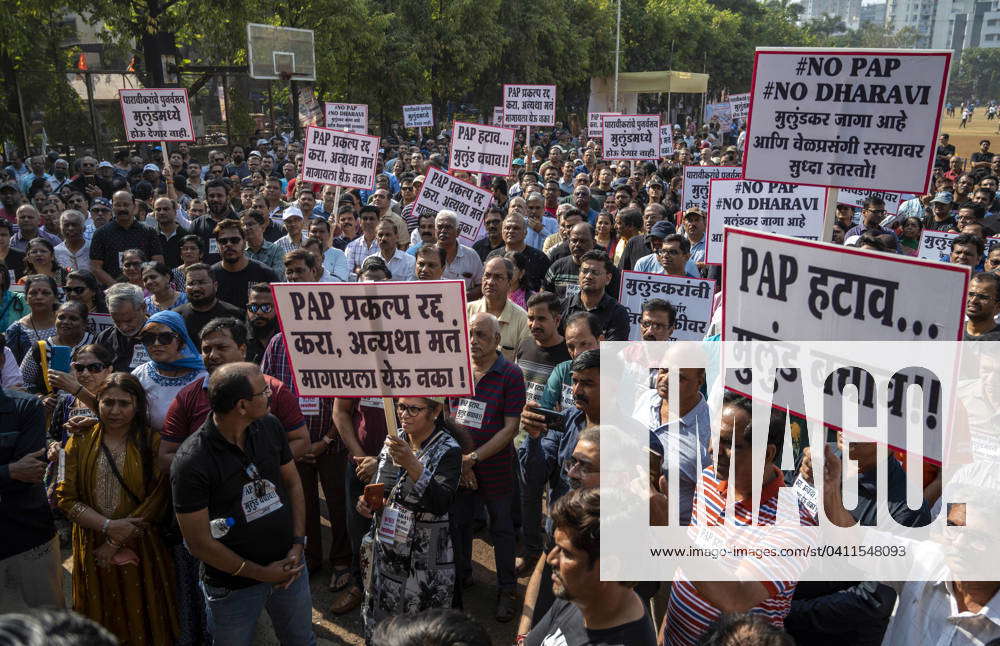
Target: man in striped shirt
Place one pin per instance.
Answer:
(695, 605)
(491, 418)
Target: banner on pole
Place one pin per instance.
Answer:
(529, 105)
(631, 136)
(691, 298)
(862, 119)
(857, 198)
(666, 140)
(342, 158)
(481, 149)
(787, 209)
(418, 116)
(349, 117)
(443, 191)
(389, 339)
(156, 114)
(739, 106)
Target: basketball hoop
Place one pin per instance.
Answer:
(285, 75)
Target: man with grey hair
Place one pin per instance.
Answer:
(128, 312)
(29, 225)
(512, 319)
(74, 251)
(490, 417)
(60, 175)
(513, 231)
(540, 226)
(461, 262)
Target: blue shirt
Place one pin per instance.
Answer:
(550, 451)
(650, 265)
(537, 238)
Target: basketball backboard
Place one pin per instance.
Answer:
(280, 52)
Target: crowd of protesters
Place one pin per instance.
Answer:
(179, 468)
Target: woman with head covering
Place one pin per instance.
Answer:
(174, 362)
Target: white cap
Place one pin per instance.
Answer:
(291, 212)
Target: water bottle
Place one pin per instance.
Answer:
(220, 526)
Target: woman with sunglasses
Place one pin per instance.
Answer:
(156, 278)
(40, 258)
(132, 260)
(114, 494)
(174, 362)
(71, 331)
(40, 323)
(82, 286)
(420, 468)
(192, 251)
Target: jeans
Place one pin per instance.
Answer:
(501, 532)
(233, 614)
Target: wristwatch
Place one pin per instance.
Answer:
(475, 457)
(300, 540)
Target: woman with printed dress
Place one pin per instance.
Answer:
(410, 563)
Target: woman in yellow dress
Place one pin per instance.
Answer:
(115, 495)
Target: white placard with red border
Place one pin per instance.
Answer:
(694, 189)
(666, 140)
(156, 114)
(340, 158)
(858, 118)
(387, 339)
(479, 148)
(781, 288)
(418, 116)
(857, 198)
(594, 122)
(349, 117)
(631, 136)
(739, 106)
(529, 105)
(497, 116)
(691, 298)
(443, 191)
(787, 209)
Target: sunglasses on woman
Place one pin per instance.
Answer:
(92, 368)
(157, 338)
(75, 290)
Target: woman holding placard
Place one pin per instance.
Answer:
(408, 554)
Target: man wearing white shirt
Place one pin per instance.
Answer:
(334, 260)
(462, 263)
(400, 263)
(73, 252)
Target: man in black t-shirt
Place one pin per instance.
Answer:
(943, 153)
(239, 504)
(203, 304)
(128, 312)
(587, 610)
(235, 272)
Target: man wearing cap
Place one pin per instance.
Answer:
(694, 231)
(671, 253)
(293, 221)
(366, 244)
(640, 245)
(122, 233)
(10, 199)
(940, 217)
(100, 212)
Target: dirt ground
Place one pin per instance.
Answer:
(347, 629)
(966, 140)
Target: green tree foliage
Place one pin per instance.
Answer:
(976, 74)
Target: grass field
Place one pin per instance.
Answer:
(966, 140)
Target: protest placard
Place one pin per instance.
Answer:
(631, 136)
(388, 339)
(156, 114)
(789, 209)
(418, 116)
(497, 116)
(777, 287)
(349, 117)
(864, 119)
(481, 149)
(936, 245)
(340, 158)
(97, 323)
(739, 106)
(666, 141)
(594, 122)
(720, 112)
(857, 199)
(694, 190)
(691, 298)
(529, 105)
(443, 191)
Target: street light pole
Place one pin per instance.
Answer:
(618, 45)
